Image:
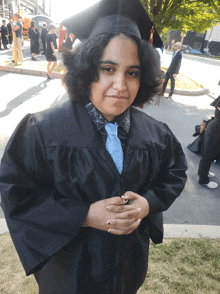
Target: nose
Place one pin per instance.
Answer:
(120, 83)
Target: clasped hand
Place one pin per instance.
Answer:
(118, 215)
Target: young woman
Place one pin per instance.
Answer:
(51, 55)
(82, 202)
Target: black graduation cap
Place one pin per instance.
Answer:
(109, 16)
(216, 102)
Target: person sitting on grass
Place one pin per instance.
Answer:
(51, 55)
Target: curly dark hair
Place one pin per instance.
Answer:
(83, 68)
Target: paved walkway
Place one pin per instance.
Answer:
(38, 68)
(171, 230)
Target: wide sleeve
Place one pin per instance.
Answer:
(171, 179)
(40, 220)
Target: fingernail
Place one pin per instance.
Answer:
(109, 231)
(125, 200)
(139, 209)
(123, 196)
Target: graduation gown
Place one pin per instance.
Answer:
(4, 32)
(34, 37)
(54, 167)
(208, 143)
(211, 142)
(196, 145)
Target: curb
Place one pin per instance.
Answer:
(3, 227)
(191, 231)
(170, 231)
(29, 71)
(189, 92)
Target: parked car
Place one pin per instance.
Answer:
(194, 51)
(186, 49)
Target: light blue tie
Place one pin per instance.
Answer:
(113, 145)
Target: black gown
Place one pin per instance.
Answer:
(34, 37)
(4, 33)
(208, 143)
(211, 142)
(54, 167)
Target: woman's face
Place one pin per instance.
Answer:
(119, 77)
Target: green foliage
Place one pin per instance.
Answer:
(165, 36)
(183, 15)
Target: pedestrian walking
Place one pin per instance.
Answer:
(210, 148)
(9, 35)
(4, 33)
(17, 29)
(34, 35)
(51, 55)
(84, 185)
(173, 69)
(43, 37)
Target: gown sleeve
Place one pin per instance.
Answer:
(171, 178)
(40, 220)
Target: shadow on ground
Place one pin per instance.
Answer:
(27, 95)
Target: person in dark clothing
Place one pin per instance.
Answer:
(173, 69)
(4, 33)
(43, 37)
(196, 145)
(84, 184)
(68, 43)
(10, 38)
(51, 55)
(34, 35)
(55, 37)
(210, 148)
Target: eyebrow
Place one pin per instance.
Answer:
(114, 63)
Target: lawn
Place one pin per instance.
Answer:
(178, 266)
(184, 82)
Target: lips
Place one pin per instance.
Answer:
(117, 97)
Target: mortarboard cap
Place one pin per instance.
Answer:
(117, 16)
(216, 102)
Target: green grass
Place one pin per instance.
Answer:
(178, 266)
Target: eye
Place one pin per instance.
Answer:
(107, 69)
(134, 73)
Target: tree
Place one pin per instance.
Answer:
(183, 15)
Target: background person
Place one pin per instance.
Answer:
(68, 42)
(43, 37)
(83, 185)
(17, 28)
(51, 55)
(210, 148)
(173, 69)
(34, 35)
(9, 35)
(4, 33)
